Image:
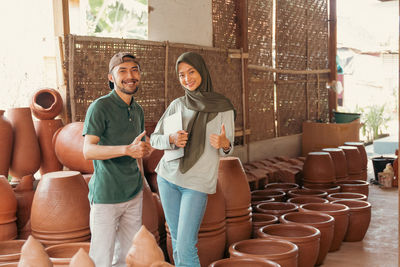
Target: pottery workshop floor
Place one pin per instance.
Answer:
(380, 244)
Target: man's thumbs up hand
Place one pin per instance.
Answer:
(138, 148)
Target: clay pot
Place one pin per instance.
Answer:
(363, 152)
(323, 222)
(10, 251)
(254, 203)
(285, 187)
(68, 220)
(282, 252)
(307, 192)
(8, 210)
(346, 195)
(354, 162)
(242, 261)
(45, 130)
(238, 228)
(33, 254)
(46, 104)
(260, 195)
(151, 160)
(276, 208)
(307, 239)
(319, 168)
(161, 221)
(68, 145)
(26, 151)
(262, 219)
(24, 194)
(60, 255)
(354, 186)
(339, 161)
(236, 190)
(149, 213)
(328, 188)
(6, 143)
(305, 199)
(339, 212)
(360, 217)
(81, 259)
(214, 215)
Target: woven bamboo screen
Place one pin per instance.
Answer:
(224, 23)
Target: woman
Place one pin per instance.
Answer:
(207, 132)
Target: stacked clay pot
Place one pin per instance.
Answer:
(8, 210)
(60, 209)
(354, 186)
(339, 212)
(339, 161)
(46, 103)
(307, 239)
(319, 169)
(24, 194)
(68, 145)
(282, 252)
(354, 162)
(26, 151)
(150, 212)
(10, 251)
(364, 158)
(6, 144)
(346, 195)
(262, 219)
(359, 219)
(61, 254)
(242, 261)
(236, 191)
(323, 222)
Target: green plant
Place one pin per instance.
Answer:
(374, 120)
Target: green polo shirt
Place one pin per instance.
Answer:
(118, 179)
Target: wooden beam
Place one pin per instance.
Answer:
(61, 17)
(332, 95)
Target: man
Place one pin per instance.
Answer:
(114, 139)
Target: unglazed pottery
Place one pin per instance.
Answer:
(319, 168)
(262, 219)
(24, 194)
(10, 251)
(46, 103)
(33, 254)
(307, 192)
(8, 210)
(149, 213)
(354, 162)
(6, 144)
(354, 186)
(81, 259)
(346, 195)
(60, 255)
(339, 161)
(306, 199)
(364, 157)
(285, 187)
(276, 208)
(259, 195)
(328, 188)
(244, 262)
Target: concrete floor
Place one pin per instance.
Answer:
(380, 245)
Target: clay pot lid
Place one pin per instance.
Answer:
(353, 204)
(315, 218)
(334, 208)
(243, 261)
(307, 199)
(296, 232)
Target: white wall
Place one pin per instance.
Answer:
(181, 21)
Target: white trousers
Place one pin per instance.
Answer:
(113, 227)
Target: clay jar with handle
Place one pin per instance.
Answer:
(242, 262)
(68, 145)
(45, 130)
(26, 151)
(323, 222)
(262, 219)
(307, 239)
(6, 144)
(276, 208)
(305, 199)
(354, 186)
(282, 252)
(46, 103)
(339, 212)
(360, 217)
(60, 255)
(234, 185)
(319, 168)
(339, 161)
(354, 162)
(8, 210)
(60, 209)
(307, 192)
(346, 195)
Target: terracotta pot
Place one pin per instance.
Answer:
(254, 203)
(81, 259)
(24, 194)
(13, 264)
(68, 221)
(360, 217)
(339, 161)
(307, 192)
(10, 251)
(8, 210)
(259, 195)
(363, 152)
(236, 190)
(307, 239)
(60, 255)
(68, 145)
(328, 188)
(319, 168)
(306, 199)
(46, 104)
(149, 213)
(151, 160)
(214, 216)
(276, 208)
(323, 222)
(242, 261)
(285, 187)
(353, 159)
(45, 130)
(346, 195)
(262, 219)
(354, 186)
(339, 212)
(26, 151)
(282, 252)
(6, 142)
(238, 228)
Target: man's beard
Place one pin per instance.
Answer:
(123, 90)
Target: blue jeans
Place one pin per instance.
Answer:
(184, 210)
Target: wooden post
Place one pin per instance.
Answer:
(332, 95)
(398, 165)
(243, 44)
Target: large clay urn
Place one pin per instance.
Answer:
(46, 103)
(45, 130)
(10, 251)
(339, 212)
(323, 222)
(61, 254)
(234, 185)
(60, 209)
(319, 168)
(307, 239)
(26, 151)
(306, 199)
(68, 145)
(282, 252)
(354, 162)
(360, 217)
(8, 210)
(24, 194)
(244, 262)
(346, 195)
(339, 161)
(354, 186)
(6, 144)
